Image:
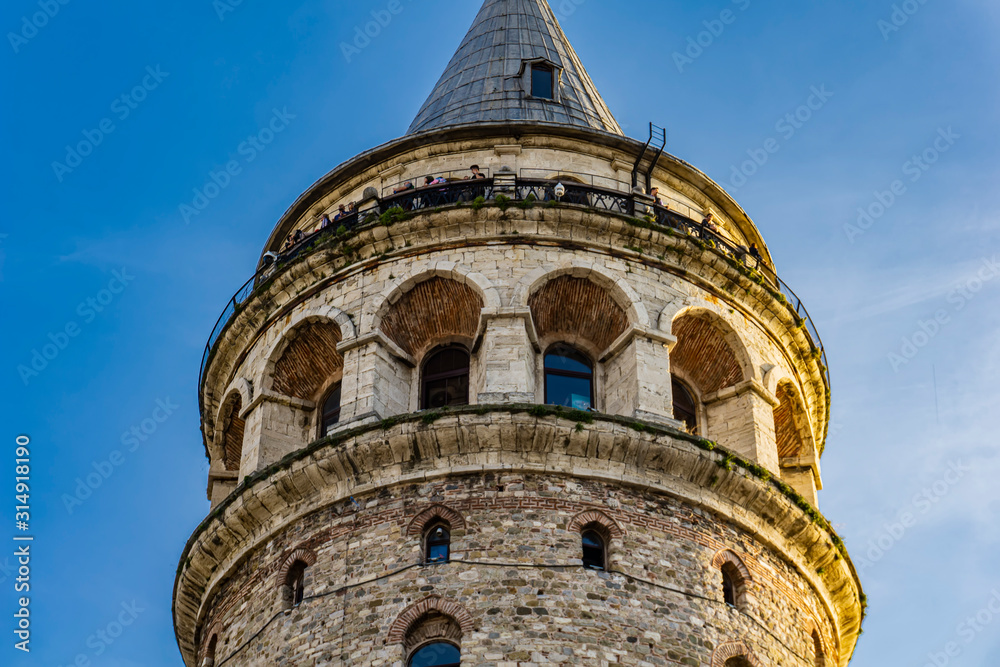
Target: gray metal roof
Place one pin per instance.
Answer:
(482, 81)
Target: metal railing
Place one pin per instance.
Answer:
(535, 190)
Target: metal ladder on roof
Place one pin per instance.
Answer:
(649, 156)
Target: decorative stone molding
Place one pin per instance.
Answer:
(455, 520)
(417, 610)
(734, 649)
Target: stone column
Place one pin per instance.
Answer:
(378, 376)
(276, 426)
(506, 358)
(741, 419)
(637, 377)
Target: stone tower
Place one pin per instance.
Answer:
(527, 414)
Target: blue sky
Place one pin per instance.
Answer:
(914, 436)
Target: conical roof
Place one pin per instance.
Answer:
(484, 81)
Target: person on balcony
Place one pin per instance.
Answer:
(755, 252)
(428, 181)
(403, 188)
(324, 222)
(476, 174)
(341, 212)
(709, 223)
(655, 194)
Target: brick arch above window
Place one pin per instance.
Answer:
(599, 518)
(433, 604)
(299, 555)
(734, 649)
(708, 353)
(577, 311)
(433, 311)
(232, 427)
(728, 556)
(307, 359)
(791, 430)
(619, 290)
(432, 514)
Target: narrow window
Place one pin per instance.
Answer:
(295, 586)
(569, 378)
(594, 550)
(685, 407)
(820, 657)
(542, 82)
(733, 586)
(738, 661)
(209, 660)
(331, 410)
(728, 588)
(438, 545)
(438, 654)
(446, 378)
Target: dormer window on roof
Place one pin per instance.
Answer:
(543, 81)
(540, 79)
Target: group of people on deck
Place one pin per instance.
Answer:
(298, 236)
(709, 223)
(440, 180)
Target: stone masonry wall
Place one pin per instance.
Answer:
(515, 568)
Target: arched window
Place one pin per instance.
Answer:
(819, 656)
(595, 549)
(446, 378)
(437, 544)
(685, 406)
(209, 660)
(331, 410)
(733, 586)
(738, 661)
(569, 378)
(438, 654)
(294, 590)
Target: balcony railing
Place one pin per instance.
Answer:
(518, 191)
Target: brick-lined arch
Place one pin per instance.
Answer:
(209, 649)
(734, 649)
(822, 652)
(433, 604)
(577, 310)
(300, 555)
(729, 556)
(618, 289)
(232, 430)
(708, 354)
(307, 359)
(592, 517)
(433, 311)
(435, 513)
(790, 428)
